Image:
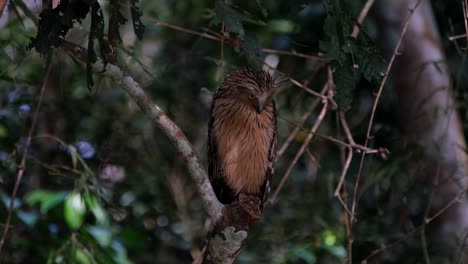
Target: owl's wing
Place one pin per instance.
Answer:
(225, 194)
(271, 160)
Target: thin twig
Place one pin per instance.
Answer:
(216, 36)
(298, 127)
(297, 83)
(193, 32)
(358, 148)
(454, 200)
(379, 93)
(309, 137)
(388, 246)
(427, 221)
(426, 213)
(213, 207)
(312, 157)
(213, 37)
(295, 54)
(348, 233)
(343, 173)
(22, 165)
(462, 250)
(340, 183)
(349, 136)
(361, 17)
(344, 124)
(376, 102)
(465, 17)
(307, 89)
(452, 38)
(387, 73)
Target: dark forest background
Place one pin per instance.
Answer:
(103, 184)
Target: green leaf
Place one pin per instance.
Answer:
(305, 254)
(231, 19)
(74, 210)
(337, 27)
(3, 131)
(82, 257)
(98, 211)
(337, 251)
(332, 50)
(46, 199)
(347, 53)
(28, 217)
(368, 57)
(133, 239)
(74, 155)
(251, 50)
(102, 234)
(343, 77)
(281, 26)
(264, 10)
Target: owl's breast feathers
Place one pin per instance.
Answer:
(242, 149)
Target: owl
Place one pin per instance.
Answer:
(242, 136)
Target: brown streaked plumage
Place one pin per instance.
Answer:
(242, 135)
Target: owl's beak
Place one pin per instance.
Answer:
(259, 106)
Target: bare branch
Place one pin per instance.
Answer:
(465, 17)
(452, 38)
(175, 134)
(296, 54)
(415, 230)
(227, 40)
(361, 17)
(340, 183)
(216, 36)
(299, 126)
(376, 102)
(22, 165)
(193, 32)
(388, 246)
(309, 137)
(387, 72)
(382, 84)
(172, 131)
(441, 211)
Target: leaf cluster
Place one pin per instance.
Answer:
(351, 57)
(247, 42)
(55, 23)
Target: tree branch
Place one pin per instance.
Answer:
(361, 17)
(172, 131)
(22, 165)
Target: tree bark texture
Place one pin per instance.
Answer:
(227, 237)
(429, 117)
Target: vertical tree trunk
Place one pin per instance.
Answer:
(429, 117)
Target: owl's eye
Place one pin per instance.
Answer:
(251, 96)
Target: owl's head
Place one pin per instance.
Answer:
(254, 89)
